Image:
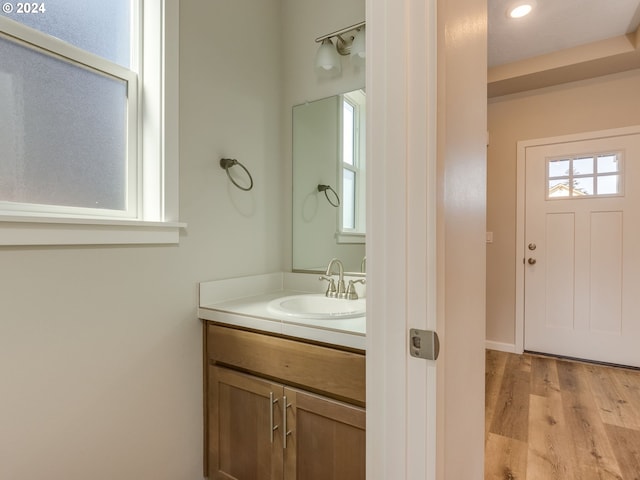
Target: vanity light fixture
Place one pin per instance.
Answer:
(520, 10)
(358, 50)
(327, 58)
(349, 41)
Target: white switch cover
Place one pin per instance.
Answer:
(489, 237)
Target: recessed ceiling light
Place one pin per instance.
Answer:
(521, 10)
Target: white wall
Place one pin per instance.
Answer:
(230, 102)
(100, 348)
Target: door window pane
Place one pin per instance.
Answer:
(102, 27)
(607, 163)
(559, 188)
(609, 185)
(583, 166)
(559, 168)
(583, 186)
(64, 140)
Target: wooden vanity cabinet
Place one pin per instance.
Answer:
(327, 439)
(263, 420)
(241, 442)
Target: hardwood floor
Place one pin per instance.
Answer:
(550, 419)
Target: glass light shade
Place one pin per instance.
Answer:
(327, 58)
(358, 46)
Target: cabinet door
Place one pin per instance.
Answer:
(327, 439)
(245, 439)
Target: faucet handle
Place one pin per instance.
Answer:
(332, 291)
(351, 289)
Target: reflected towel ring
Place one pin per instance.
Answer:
(324, 188)
(227, 163)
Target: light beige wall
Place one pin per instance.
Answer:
(100, 348)
(597, 104)
(462, 90)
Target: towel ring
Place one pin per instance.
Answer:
(227, 163)
(325, 188)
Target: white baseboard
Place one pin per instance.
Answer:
(501, 347)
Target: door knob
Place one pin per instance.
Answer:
(531, 261)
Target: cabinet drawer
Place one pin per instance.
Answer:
(329, 371)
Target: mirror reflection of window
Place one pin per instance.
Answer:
(323, 153)
(352, 164)
(348, 167)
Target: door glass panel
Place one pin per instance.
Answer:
(583, 186)
(609, 185)
(584, 176)
(583, 166)
(608, 164)
(559, 188)
(559, 168)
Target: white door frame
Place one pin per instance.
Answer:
(520, 210)
(426, 202)
(401, 238)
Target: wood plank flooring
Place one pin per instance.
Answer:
(549, 419)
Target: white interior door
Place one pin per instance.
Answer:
(582, 234)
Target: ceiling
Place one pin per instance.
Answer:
(555, 25)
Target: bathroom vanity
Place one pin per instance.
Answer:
(284, 394)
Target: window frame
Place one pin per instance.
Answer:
(153, 219)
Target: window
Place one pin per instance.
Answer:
(352, 178)
(585, 176)
(77, 152)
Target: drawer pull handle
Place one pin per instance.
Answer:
(285, 432)
(272, 402)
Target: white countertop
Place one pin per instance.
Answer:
(243, 302)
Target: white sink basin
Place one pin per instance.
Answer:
(318, 306)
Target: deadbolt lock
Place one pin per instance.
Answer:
(532, 246)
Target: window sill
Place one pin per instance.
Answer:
(24, 230)
(344, 237)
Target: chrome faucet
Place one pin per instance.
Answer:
(332, 291)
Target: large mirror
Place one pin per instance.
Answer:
(329, 182)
